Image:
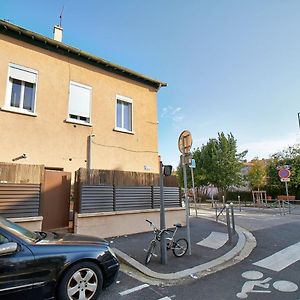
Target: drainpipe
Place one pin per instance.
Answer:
(89, 155)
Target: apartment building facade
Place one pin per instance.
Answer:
(67, 109)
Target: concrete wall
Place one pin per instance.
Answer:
(31, 223)
(127, 222)
(48, 140)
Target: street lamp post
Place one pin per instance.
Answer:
(163, 249)
(164, 170)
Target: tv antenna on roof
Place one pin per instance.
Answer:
(60, 16)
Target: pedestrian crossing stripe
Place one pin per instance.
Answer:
(281, 259)
(215, 240)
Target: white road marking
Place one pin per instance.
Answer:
(215, 240)
(253, 275)
(137, 288)
(285, 286)
(165, 298)
(281, 259)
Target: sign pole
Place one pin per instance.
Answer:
(188, 233)
(184, 145)
(193, 183)
(287, 194)
(287, 190)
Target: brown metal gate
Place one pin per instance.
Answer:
(55, 203)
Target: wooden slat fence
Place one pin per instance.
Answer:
(21, 173)
(121, 178)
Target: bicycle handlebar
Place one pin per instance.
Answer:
(148, 221)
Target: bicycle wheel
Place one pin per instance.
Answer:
(180, 247)
(150, 252)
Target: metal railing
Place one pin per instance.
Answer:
(229, 217)
(102, 198)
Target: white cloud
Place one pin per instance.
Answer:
(172, 113)
(175, 111)
(263, 149)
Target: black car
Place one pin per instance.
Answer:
(44, 265)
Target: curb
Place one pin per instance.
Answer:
(246, 243)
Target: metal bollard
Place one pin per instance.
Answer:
(216, 210)
(232, 218)
(223, 198)
(239, 199)
(228, 224)
(279, 205)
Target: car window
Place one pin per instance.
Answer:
(18, 230)
(3, 239)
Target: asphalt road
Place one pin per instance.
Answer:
(275, 277)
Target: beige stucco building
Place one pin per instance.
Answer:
(58, 103)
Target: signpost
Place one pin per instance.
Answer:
(192, 167)
(284, 174)
(184, 145)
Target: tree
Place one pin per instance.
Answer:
(218, 163)
(257, 175)
(291, 157)
(222, 163)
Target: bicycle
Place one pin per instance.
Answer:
(178, 247)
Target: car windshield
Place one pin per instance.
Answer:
(19, 230)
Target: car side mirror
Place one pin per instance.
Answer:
(8, 248)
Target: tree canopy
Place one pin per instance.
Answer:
(290, 157)
(218, 163)
(257, 175)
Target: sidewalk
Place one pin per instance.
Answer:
(131, 250)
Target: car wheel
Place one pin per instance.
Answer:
(82, 281)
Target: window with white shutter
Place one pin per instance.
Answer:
(80, 97)
(21, 89)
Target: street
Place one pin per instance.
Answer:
(270, 272)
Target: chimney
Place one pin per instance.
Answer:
(58, 31)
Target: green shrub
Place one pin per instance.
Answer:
(233, 196)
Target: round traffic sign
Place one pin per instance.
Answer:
(185, 142)
(284, 173)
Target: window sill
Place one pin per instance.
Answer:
(123, 130)
(78, 122)
(19, 111)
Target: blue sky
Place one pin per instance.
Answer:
(230, 65)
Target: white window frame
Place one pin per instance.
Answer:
(128, 100)
(77, 121)
(7, 104)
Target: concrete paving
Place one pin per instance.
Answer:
(204, 260)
